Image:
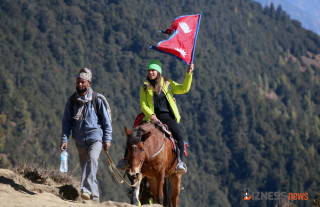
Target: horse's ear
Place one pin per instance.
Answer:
(145, 136)
(128, 131)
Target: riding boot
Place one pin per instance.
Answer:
(123, 163)
(181, 167)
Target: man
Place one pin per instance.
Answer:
(91, 130)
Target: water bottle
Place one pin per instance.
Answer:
(64, 161)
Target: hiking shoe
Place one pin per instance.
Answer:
(85, 196)
(95, 199)
(123, 164)
(181, 168)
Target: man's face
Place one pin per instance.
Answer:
(82, 84)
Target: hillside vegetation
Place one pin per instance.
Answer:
(251, 117)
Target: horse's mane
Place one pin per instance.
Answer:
(135, 136)
(137, 133)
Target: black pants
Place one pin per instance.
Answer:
(169, 120)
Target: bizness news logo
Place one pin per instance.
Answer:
(273, 195)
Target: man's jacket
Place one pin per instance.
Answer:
(91, 128)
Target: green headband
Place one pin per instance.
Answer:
(155, 65)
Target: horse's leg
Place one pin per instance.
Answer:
(136, 190)
(135, 195)
(132, 189)
(176, 181)
(167, 192)
(145, 193)
(160, 181)
(154, 189)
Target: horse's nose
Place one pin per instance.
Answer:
(136, 175)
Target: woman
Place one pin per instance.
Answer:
(157, 103)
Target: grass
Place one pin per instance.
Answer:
(39, 175)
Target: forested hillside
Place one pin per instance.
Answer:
(251, 117)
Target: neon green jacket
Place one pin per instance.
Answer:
(146, 99)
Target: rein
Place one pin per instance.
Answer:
(112, 167)
(115, 172)
(164, 140)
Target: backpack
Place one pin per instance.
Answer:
(94, 101)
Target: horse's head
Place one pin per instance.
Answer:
(136, 149)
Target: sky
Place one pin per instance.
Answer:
(305, 11)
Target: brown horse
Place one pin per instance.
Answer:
(150, 155)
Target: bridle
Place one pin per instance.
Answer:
(155, 154)
(113, 169)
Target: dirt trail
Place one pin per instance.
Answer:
(16, 191)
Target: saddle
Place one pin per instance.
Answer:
(165, 129)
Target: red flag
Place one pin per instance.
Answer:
(182, 42)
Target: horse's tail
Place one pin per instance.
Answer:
(167, 192)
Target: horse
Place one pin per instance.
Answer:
(150, 155)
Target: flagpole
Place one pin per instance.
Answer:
(195, 38)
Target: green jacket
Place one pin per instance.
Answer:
(146, 98)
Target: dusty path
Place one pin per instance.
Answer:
(15, 191)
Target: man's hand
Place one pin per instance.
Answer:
(106, 146)
(191, 68)
(63, 146)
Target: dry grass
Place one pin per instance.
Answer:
(40, 175)
(53, 179)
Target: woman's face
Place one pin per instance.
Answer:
(152, 74)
